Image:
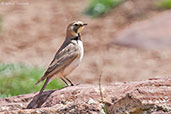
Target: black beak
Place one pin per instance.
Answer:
(85, 24)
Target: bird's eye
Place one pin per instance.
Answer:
(76, 24)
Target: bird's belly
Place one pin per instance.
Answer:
(68, 69)
(71, 67)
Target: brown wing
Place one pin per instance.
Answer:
(61, 60)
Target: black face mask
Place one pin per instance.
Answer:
(76, 28)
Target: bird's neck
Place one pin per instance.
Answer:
(77, 37)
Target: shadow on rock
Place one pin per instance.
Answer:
(37, 104)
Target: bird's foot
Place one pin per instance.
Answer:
(74, 84)
(77, 84)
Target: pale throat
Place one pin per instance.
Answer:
(74, 34)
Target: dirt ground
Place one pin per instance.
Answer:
(33, 31)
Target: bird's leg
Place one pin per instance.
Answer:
(69, 81)
(64, 81)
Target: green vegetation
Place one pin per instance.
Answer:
(101, 94)
(99, 7)
(164, 4)
(16, 79)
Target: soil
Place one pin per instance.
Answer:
(33, 31)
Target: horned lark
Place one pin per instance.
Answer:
(67, 58)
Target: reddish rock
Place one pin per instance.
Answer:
(150, 96)
(153, 33)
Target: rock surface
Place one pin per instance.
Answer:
(150, 96)
(153, 33)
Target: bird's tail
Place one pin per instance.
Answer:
(42, 89)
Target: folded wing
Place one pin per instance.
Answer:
(62, 59)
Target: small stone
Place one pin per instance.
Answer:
(91, 101)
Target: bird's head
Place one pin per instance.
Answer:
(75, 28)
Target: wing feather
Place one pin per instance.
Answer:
(62, 59)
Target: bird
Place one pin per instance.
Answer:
(67, 58)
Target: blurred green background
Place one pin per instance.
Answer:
(19, 79)
(98, 8)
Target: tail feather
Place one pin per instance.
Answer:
(42, 89)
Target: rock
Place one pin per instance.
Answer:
(141, 97)
(153, 33)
